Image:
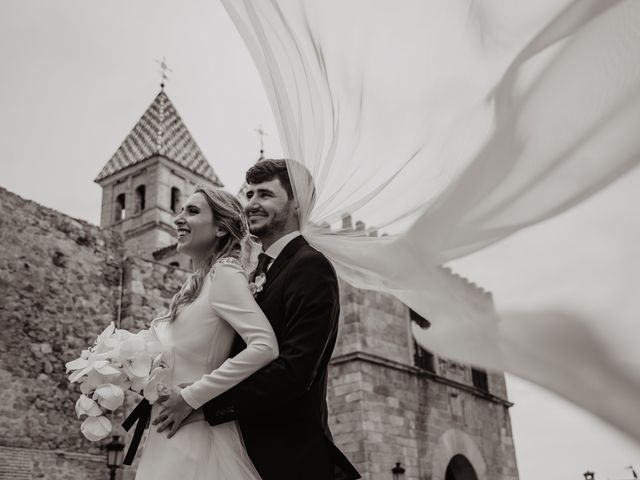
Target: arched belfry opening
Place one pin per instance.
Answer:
(120, 208)
(176, 199)
(140, 198)
(459, 468)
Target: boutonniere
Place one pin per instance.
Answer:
(258, 283)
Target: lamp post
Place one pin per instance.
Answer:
(589, 475)
(398, 471)
(115, 449)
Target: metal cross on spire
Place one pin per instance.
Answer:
(164, 68)
(262, 134)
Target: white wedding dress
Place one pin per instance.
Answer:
(198, 343)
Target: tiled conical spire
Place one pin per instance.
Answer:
(160, 131)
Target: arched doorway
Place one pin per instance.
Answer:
(457, 457)
(459, 468)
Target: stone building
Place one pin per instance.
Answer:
(64, 280)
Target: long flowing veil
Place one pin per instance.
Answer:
(443, 127)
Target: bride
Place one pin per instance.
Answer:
(214, 303)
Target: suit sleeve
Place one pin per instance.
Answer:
(231, 299)
(311, 300)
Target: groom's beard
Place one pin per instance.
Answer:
(273, 226)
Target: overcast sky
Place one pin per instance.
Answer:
(75, 76)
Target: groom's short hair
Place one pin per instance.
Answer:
(268, 169)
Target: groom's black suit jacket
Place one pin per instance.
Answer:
(282, 409)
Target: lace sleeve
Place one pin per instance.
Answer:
(227, 261)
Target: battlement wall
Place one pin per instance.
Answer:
(59, 279)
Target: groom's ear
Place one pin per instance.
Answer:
(221, 233)
(296, 214)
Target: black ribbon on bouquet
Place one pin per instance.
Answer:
(142, 415)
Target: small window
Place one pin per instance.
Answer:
(480, 379)
(422, 358)
(175, 264)
(140, 198)
(120, 210)
(176, 199)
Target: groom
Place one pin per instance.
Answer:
(282, 409)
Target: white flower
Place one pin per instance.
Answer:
(121, 380)
(104, 367)
(80, 362)
(91, 381)
(131, 346)
(87, 407)
(117, 339)
(155, 347)
(109, 396)
(138, 383)
(258, 284)
(106, 333)
(83, 366)
(159, 376)
(95, 428)
(139, 366)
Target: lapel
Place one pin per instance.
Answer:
(282, 260)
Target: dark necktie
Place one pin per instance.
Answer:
(263, 263)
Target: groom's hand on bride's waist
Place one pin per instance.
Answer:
(174, 414)
(194, 416)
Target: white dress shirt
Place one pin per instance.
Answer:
(276, 247)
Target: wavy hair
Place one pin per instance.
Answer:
(236, 243)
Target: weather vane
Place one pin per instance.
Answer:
(164, 68)
(262, 134)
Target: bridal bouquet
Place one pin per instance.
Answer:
(118, 361)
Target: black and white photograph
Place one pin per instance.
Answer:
(320, 240)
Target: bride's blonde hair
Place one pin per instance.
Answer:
(229, 217)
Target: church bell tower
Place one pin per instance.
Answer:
(154, 170)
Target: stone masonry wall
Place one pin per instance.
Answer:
(59, 279)
(482, 429)
(374, 413)
(386, 331)
(380, 415)
(384, 410)
(148, 289)
(31, 463)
